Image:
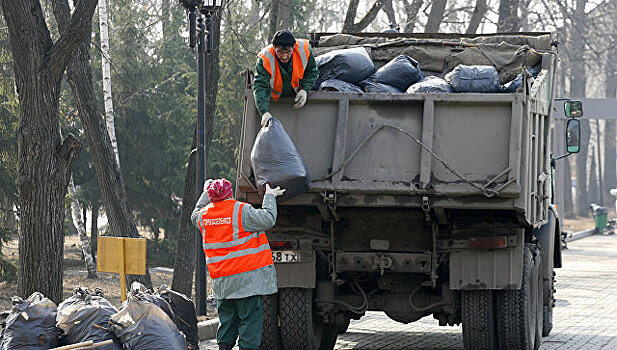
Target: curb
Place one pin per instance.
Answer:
(580, 234)
(207, 329)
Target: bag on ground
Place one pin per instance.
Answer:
(78, 314)
(350, 65)
(481, 79)
(276, 161)
(400, 72)
(186, 315)
(142, 325)
(31, 324)
(430, 84)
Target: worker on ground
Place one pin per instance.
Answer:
(238, 258)
(284, 68)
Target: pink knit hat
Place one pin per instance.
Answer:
(219, 189)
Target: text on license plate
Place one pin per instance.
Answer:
(285, 256)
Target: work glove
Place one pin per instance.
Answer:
(265, 117)
(277, 191)
(207, 183)
(300, 99)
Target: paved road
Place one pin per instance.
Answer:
(585, 315)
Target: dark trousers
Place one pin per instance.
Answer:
(240, 317)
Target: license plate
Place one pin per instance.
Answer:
(285, 256)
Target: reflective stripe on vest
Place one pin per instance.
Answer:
(228, 247)
(300, 58)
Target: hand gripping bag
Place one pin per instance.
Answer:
(78, 314)
(31, 324)
(276, 161)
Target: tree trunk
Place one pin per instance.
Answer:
(593, 193)
(79, 76)
(435, 16)
(508, 20)
(610, 130)
(284, 16)
(582, 200)
(81, 231)
(184, 265)
(525, 26)
(389, 10)
(45, 161)
(94, 229)
(411, 10)
(568, 210)
(349, 26)
(476, 17)
(273, 19)
(106, 70)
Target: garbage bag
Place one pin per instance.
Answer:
(276, 161)
(430, 84)
(31, 324)
(77, 315)
(142, 325)
(516, 83)
(186, 315)
(350, 65)
(338, 85)
(473, 79)
(370, 86)
(400, 72)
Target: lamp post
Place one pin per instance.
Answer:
(200, 35)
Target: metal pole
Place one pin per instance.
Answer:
(599, 153)
(200, 263)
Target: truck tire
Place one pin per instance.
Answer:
(548, 242)
(547, 313)
(540, 302)
(478, 313)
(301, 327)
(271, 334)
(517, 309)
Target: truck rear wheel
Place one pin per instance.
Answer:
(271, 334)
(478, 313)
(518, 309)
(301, 327)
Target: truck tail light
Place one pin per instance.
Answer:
(488, 242)
(282, 245)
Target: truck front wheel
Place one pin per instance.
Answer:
(301, 327)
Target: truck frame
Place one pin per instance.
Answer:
(420, 204)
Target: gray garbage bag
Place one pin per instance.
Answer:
(483, 79)
(184, 310)
(339, 85)
(31, 324)
(142, 325)
(430, 84)
(77, 315)
(350, 65)
(371, 86)
(276, 161)
(400, 72)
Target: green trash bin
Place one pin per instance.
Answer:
(600, 216)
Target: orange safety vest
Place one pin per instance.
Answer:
(300, 58)
(228, 247)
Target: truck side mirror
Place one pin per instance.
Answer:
(573, 135)
(573, 108)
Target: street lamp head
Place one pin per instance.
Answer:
(191, 4)
(213, 4)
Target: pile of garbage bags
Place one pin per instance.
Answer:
(146, 320)
(352, 70)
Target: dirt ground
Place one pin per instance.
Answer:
(75, 274)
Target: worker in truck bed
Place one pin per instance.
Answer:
(284, 68)
(238, 258)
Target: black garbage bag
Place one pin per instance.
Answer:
(430, 84)
(350, 65)
(339, 85)
(31, 324)
(400, 72)
(484, 79)
(276, 161)
(78, 314)
(186, 315)
(142, 325)
(371, 86)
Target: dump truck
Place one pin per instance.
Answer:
(420, 204)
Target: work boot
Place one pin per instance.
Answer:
(225, 346)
